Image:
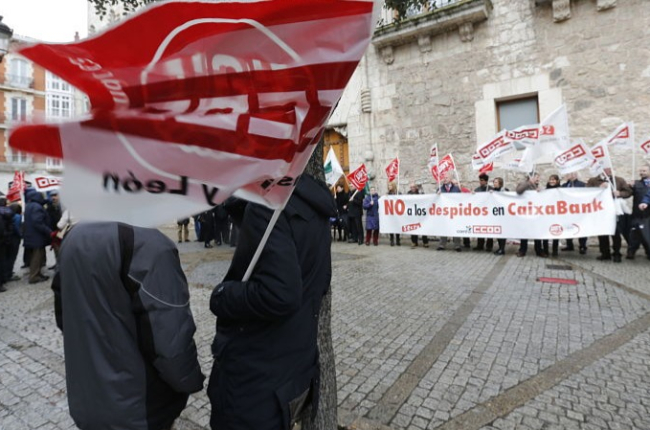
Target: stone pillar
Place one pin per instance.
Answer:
(561, 10)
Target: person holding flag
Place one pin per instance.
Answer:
(620, 190)
(640, 216)
(358, 179)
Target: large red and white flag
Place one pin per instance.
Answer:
(214, 99)
(645, 145)
(358, 178)
(577, 157)
(602, 160)
(17, 187)
(553, 138)
(392, 170)
(487, 168)
(623, 136)
(445, 165)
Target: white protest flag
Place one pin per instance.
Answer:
(577, 157)
(515, 165)
(526, 135)
(553, 138)
(645, 145)
(602, 160)
(223, 98)
(492, 149)
(622, 137)
(332, 167)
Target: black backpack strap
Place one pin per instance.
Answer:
(125, 235)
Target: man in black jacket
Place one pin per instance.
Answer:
(122, 302)
(640, 217)
(266, 358)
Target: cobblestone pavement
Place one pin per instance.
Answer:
(424, 339)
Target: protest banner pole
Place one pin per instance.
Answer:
(265, 238)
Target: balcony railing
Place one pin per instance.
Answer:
(19, 81)
(423, 23)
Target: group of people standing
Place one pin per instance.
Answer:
(633, 220)
(42, 225)
(212, 225)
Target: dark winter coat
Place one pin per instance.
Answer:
(639, 191)
(265, 348)
(372, 211)
(130, 357)
(355, 205)
(576, 183)
(37, 231)
(452, 189)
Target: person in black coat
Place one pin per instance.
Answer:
(355, 214)
(266, 357)
(37, 234)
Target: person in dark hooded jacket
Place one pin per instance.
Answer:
(266, 357)
(37, 234)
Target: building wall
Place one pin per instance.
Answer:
(596, 62)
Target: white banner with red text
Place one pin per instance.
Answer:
(559, 213)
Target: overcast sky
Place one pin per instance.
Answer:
(46, 20)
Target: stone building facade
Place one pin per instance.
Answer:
(444, 76)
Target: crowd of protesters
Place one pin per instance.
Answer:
(632, 225)
(37, 230)
(214, 225)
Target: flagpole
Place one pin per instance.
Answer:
(265, 238)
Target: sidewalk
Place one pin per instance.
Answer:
(424, 339)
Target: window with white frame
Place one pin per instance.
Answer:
(18, 109)
(19, 73)
(55, 83)
(59, 106)
(52, 163)
(18, 157)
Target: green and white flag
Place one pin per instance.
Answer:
(333, 169)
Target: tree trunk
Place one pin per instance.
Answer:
(326, 418)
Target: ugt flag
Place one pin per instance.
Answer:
(623, 136)
(553, 138)
(333, 170)
(645, 146)
(358, 178)
(213, 99)
(602, 160)
(392, 171)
